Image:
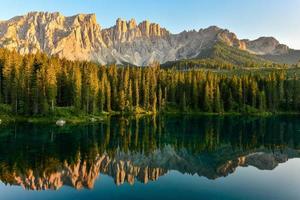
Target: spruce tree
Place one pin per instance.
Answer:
(217, 100)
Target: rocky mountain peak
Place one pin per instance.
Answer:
(126, 31)
(266, 45)
(72, 37)
(86, 19)
(132, 24)
(80, 37)
(152, 29)
(44, 15)
(268, 40)
(121, 25)
(231, 39)
(212, 29)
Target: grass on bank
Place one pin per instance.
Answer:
(172, 109)
(72, 116)
(69, 114)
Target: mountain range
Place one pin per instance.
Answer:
(80, 37)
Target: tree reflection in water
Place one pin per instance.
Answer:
(41, 157)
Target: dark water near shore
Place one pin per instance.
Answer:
(153, 158)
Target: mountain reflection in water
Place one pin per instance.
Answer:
(42, 157)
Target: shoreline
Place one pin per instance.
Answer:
(81, 119)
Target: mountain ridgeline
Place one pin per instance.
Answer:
(80, 37)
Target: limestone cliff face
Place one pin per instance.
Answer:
(266, 45)
(128, 31)
(76, 37)
(80, 37)
(231, 40)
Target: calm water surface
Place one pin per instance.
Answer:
(153, 158)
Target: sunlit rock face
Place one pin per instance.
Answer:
(75, 37)
(266, 45)
(128, 31)
(80, 37)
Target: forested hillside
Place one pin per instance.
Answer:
(222, 56)
(37, 85)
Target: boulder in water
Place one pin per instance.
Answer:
(60, 122)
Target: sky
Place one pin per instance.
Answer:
(247, 18)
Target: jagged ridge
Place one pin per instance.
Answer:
(80, 37)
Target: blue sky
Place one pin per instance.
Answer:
(247, 18)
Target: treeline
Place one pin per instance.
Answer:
(191, 64)
(37, 84)
(219, 64)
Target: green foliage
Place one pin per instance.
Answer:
(235, 56)
(208, 63)
(37, 85)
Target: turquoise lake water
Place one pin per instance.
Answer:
(179, 157)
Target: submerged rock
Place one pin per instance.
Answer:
(60, 122)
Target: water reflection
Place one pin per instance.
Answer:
(42, 157)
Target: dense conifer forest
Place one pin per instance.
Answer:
(37, 85)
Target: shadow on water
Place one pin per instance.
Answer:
(40, 157)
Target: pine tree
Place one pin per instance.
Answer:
(253, 93)
(76, 88)
(207, 100)
(154, 102)
(262, 101)
(137, 93)
(14, 88)
(145, 93)
(183, 103)
(34, 89)
(122, 101)
(108, 98)
(51, 87)
(160, 99)
(129, 97)
(230, 102)
(217, 101)
(94, 89)
(195, 94)
(43, 106)
(296, 95)
(101, 95)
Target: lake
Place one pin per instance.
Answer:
(163, 157)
